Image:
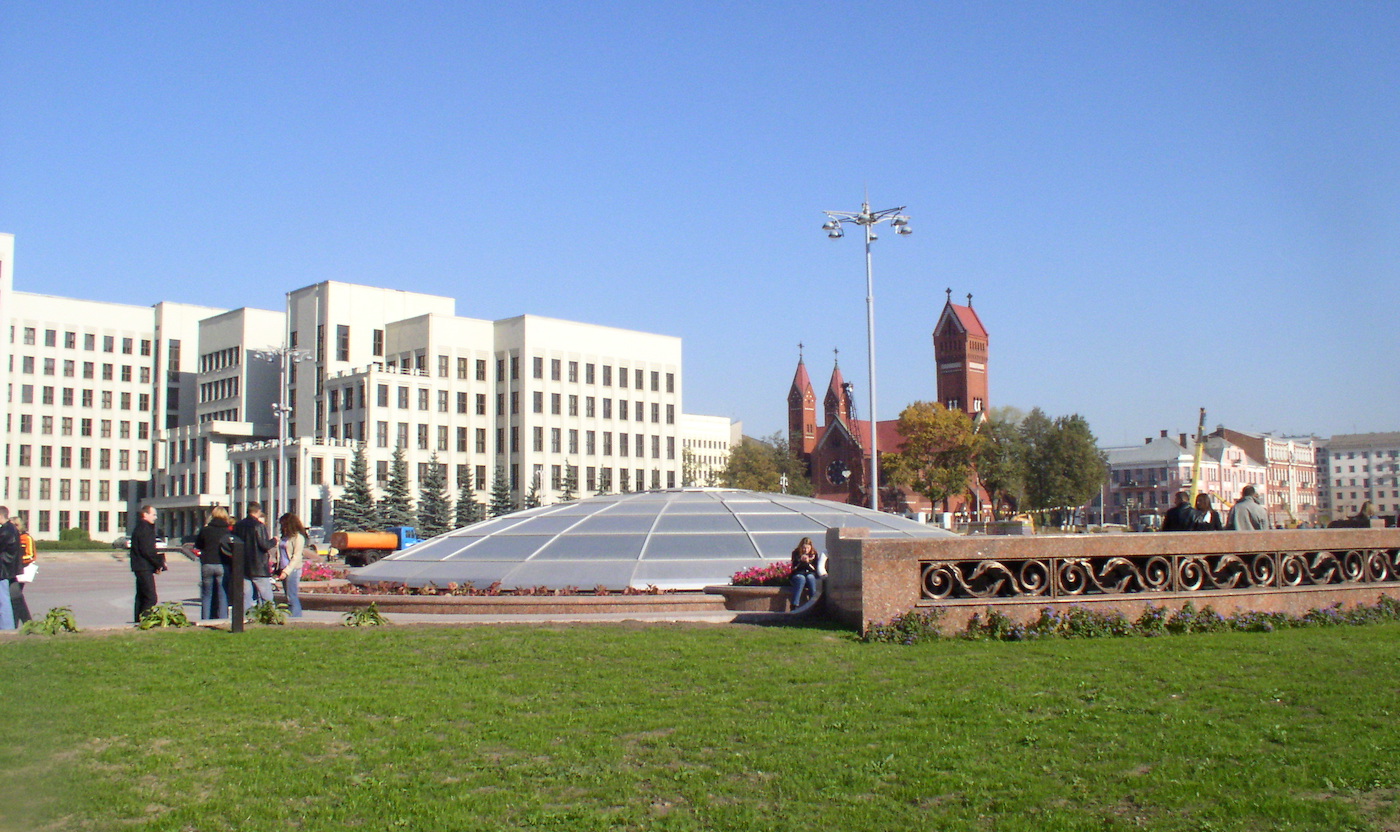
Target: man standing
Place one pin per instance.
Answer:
(1248, 515)
(1180, 517)
(256, 546)
(11, 554)
(146, 560)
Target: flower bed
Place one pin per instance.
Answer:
(778, 573)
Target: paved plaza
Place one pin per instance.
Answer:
(100, 589)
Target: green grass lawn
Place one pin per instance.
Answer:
(698, 727)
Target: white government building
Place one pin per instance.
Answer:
(113, 405)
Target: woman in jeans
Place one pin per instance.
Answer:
(213, 565)
(290, 549)
(804, 570)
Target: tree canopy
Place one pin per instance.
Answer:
(468, 509)
(938, 451)
(759, 465)
(1063, 466)
(501, 502)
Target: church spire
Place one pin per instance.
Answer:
(802, 409)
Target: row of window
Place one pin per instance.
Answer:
(220, 359)
(595, 478)
(70, 341)
(45, 490)
(29, 366)
(47, 396)
(65, 458)
(43, 520)
(85, 426)
(224, 388)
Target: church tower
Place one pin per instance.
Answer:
(802, 412)
(960, 354)
(837, 404)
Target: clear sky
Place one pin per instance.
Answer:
(1157, 206)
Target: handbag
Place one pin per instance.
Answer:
(27, 575)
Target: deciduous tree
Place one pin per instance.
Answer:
(760, 464)
(939, 446)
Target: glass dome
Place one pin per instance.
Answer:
(680, 539)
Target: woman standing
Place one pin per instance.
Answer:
(1207, 518)
(804, 570)
(213, 565)
(291, 547)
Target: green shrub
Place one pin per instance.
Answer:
(365, 617)
(76, 535)
(57, 620)
(267, 612)
(169, 614)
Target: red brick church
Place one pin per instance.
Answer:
(836, 450)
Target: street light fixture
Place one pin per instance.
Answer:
(868, 220)
(284, 356)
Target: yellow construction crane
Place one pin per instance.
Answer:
(1196, 463)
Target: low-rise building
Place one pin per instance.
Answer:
(1356, 468)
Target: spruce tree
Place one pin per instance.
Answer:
(434, 503)
(532, 497)
(396, 509)
(568, 492)
(501, 502)
(357, 511)
(468, 509)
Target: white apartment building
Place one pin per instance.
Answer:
(111, 405)
(1355, 468)
(92, 387)
(705, 444)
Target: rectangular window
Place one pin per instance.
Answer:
(537, 401)
(670, 414)
(621, 376)
(481, 369)
(607, 375)
(462, 440)
(655, 413)
(338, 471)
(481, 440)
(607, 443)
(537, 367)
(622, 408)
(622, 444)
(381, 395)
(590, 443)
(500, 404)
(607, 408)
(381, 434)
(555, 369)
(423, 398)
(638, 385)
(442, 437)
(442, 401)
(670, 447)
(573, 441)
(555, 400)
(377, 344)
(403, 398)
(461, 402)
(670, 382)
(573, 405)
(589, 406)
(555, 440)
(500, 370)
(588, 374)
(538, 433)
(481, 404)
(443, 366)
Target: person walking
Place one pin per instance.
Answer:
(1248, 515)
(11, 553)
(213, 566)
(291, 548)
(257, 547)
(146, 561)
(27, 557)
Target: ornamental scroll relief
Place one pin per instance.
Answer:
(1055, 577)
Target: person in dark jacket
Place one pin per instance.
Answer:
(1207, 518)
(1180, 517)
(11, 553)
(146, 560)
(257, 546)
(213, 568)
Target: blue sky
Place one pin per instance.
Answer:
(1157, 206)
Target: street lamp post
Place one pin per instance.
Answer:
(284, 356)
(868, 220)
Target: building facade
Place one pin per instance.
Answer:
(1144, 479)
(186, 407)
(1356, 468)
(1290, 475)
